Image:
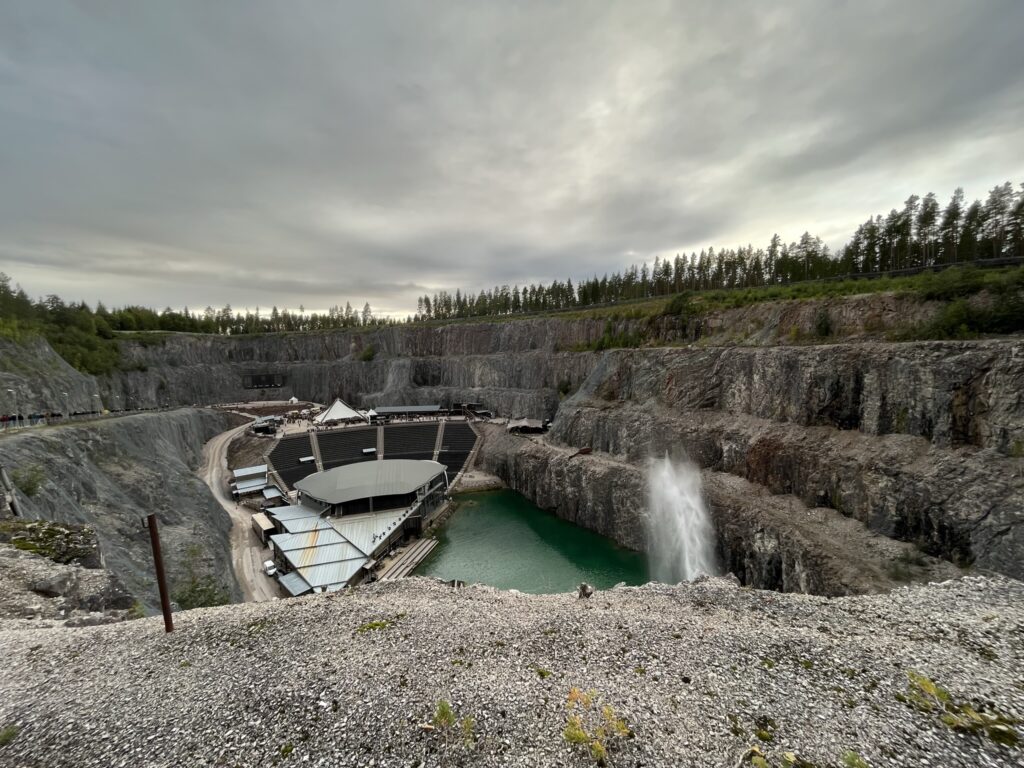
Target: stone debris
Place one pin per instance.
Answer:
(699, 674)
(34, 587)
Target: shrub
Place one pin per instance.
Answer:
(822, 324)
(368, 353)
(28, 480)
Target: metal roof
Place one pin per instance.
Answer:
(389, 409)
(331, 574)
(301, 524)
(292, 512)
(250, 486)
(369, 478)
(285, 542)
(367, 532)
(327, 554)
(263, 521)
(294, 583)
(272, 493)
(260, 469)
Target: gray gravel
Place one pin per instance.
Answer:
(692, 669)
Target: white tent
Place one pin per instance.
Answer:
(293, 400)
(337, 412)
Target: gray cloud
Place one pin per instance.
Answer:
(309, 153)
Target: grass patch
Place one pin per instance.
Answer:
(593, 726)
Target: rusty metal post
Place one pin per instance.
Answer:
(161, 578)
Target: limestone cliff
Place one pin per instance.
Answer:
(110, 474)
(768, 541)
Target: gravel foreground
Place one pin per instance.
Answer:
(699, 673)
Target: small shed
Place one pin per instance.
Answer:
(263, 527)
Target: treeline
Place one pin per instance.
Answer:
(228, 322)
(920, 234)
(86, 337)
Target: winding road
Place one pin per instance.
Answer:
(247, 554)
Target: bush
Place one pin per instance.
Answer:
(368, 354)
(681, 305)
(823, 324)
(28, 480)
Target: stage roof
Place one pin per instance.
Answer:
(369, 478)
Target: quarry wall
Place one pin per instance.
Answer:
(915, 442)
(109, 474)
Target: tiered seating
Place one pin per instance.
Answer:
(457, 443)
(285, 458)
(345, 446)
(410, 441)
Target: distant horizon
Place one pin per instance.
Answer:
(191, 154)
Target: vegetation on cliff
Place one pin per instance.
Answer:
(916, 237)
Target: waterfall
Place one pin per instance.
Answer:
(681, 541)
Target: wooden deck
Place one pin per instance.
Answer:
(407, 561)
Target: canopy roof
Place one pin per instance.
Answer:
(338, 411)
(387, 410)
(369, 478)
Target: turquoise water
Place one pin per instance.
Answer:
(500, 538)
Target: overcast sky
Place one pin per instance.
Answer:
(308, 153)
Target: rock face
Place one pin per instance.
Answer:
(916, 442)
(698, 673)
(110, 474)
(35, 587)
(768, 541)
(39, 377)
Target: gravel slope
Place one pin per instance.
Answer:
(696, 671)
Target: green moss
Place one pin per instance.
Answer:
(543, 673)
(852, 760)
(373, 626)
(927, 696)
(8, 734)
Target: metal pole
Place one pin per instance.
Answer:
(161, 578)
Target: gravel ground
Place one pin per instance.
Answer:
(699, 673)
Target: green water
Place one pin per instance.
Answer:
(500, 538)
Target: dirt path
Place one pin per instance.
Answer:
(247, 555)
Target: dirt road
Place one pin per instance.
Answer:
(247, 554)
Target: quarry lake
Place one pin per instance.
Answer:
(501, 539)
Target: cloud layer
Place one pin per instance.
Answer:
(309, 153)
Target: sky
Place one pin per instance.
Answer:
(306, 154)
